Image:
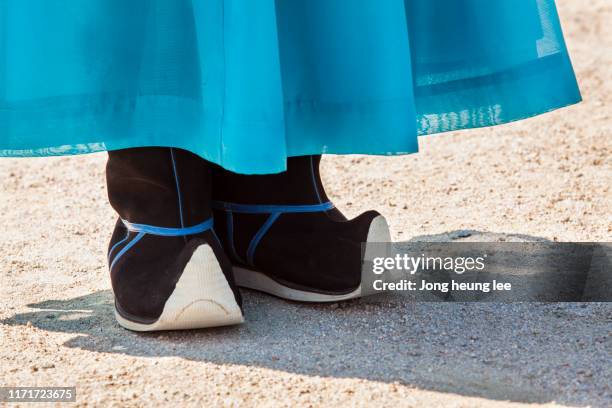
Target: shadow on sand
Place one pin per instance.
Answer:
(523, 352)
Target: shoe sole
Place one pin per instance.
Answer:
(202, 298)
(250, 279)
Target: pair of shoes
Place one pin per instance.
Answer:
(170, 269)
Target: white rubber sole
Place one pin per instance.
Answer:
(246, 278)
(202, 298)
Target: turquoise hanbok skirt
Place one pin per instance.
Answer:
(246, 84)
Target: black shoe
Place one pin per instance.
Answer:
(168, 269)
(286, 238)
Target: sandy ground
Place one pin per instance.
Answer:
(549, 177)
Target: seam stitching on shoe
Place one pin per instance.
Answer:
(230, 236)
(314, 181)
(178, 187)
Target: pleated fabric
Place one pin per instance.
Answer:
(246, 84)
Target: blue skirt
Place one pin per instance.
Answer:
(246, 84)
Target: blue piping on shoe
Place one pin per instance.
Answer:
(268, 209)
(262, 231)
(275, 211)
(144, 229)
(126, 248)
(169, 232)
(110, 252)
